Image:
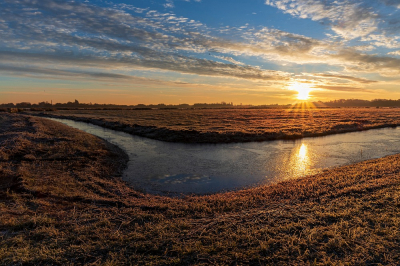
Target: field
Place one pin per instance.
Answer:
(62, 203)
(236, 125)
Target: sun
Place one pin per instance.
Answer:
(303, 90)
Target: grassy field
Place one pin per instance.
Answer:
(62, 203)
(236, 125)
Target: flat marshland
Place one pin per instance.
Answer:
(235, 125)
(62, 202)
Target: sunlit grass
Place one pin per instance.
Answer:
(237, 125)
(71, 210)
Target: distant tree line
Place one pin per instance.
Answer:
(76, 104)
(362, 103)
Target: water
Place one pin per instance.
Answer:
(159, 167)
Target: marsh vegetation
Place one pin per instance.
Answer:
(235, 125)
(64, 203)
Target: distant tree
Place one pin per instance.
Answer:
(23, 105)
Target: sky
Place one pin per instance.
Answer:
(198, 51)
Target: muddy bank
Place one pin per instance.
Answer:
(197, 136)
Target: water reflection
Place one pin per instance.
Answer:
(301, 161)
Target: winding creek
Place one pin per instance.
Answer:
(159, 167)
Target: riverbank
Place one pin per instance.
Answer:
(65, 204)
(230, 125)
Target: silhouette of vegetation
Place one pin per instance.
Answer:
(76, 104)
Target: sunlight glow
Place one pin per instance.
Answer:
(302, 89)
(303, 152)
(302, 161)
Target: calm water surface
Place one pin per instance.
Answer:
(159, 167)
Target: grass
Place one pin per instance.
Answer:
(66, 205)
(235, 125)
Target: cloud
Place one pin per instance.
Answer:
(71, 75)
(169, 4)
(344, 77)
(355, 61)
(349, 19)
(111, 38)
(394, 3)
(172, 63)
(82, 36)
(382, 40)
(343, 88)
(229, 59)
(51, 74)
(364, 48)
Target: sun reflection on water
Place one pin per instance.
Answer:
(302, 154)
(299, 162)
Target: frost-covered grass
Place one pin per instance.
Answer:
(65, 206)
(236, 125)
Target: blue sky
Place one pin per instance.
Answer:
(188, 51)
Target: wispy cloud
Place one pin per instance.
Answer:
(229, 59)
(344, 88)
(369, 21)
(343, 77)
(349, 19)
(169, 4)
(394, 3)
(121, 40)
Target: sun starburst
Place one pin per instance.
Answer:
(303, 90)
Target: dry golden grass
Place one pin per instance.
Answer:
(67, 208)
(236, 125)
